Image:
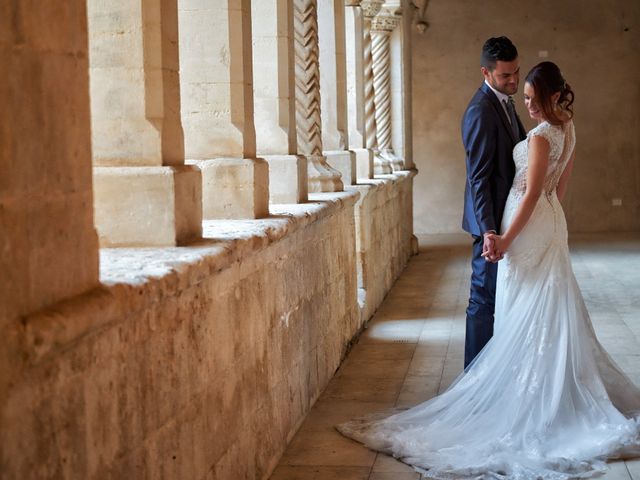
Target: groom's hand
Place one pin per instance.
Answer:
(488, 248)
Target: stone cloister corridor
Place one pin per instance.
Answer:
(413, 347)
(203, 203)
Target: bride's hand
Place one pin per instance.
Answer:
(501, 245)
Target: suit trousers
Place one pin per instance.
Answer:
(482, 299)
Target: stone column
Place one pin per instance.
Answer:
(144, 193)
(275, 113)
(322, 177)
(355, 88)
(48, 245)
(381, 27)
(407, 125)
(370, 9)
(333, 88)
(216, 76)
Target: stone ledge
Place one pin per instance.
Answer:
(135, 278)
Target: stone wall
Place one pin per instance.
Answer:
(385, 235)
(201, 362)
(596, 46)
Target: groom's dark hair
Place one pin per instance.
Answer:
(497, 48)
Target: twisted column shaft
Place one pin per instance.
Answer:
(322, 178)
(369, 100)
(382, 87)
(307, 94)
(381, 28)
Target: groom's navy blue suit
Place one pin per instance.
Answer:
(488, 142)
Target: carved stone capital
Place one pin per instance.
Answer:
(385, 22)
(352, 3)
(370, 8)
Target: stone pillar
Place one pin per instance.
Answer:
(333, 87)
(407, 120)
(48, 245)
(381, 27)
(275, 113)
(216, 76)
(355, 88)
(144, 193)
(370, 9)
(322, 177)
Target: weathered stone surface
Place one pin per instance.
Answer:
(135, 92)
(364, 162)
(343, 161)
(48, 246)
(197, 361)
(216, 79)
(288, 182)
(234, 187)
(384, 233)
(147, 206)
(186, 354)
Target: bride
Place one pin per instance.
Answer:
(542, 400)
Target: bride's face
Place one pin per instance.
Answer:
(530, 102)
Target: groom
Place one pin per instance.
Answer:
(490, 130)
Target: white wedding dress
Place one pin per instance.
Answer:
(542, 400)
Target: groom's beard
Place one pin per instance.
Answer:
(508, 87)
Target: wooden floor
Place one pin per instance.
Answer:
(413, 349)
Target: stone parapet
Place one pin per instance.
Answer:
(205, 359)
(384, 234)
(187, 360)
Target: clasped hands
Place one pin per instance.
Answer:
(494, 247)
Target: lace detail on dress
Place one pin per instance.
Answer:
(559, 155)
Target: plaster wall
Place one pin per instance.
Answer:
(597, 46)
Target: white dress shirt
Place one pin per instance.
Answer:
(502, 98)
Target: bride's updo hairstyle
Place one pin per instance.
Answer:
(546, 80)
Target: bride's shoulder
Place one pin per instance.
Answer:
(543, 129)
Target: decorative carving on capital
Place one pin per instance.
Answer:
(385, 22)
(370, 8)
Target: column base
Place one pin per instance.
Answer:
(234, 188)
(147, 206)
(415, 246)
(364, 162)
(397, 163)
(345, 162)
(322, 177)
(288, 179)
(381, 164)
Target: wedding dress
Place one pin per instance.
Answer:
(542, 400)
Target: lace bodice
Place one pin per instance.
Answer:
(562, 141)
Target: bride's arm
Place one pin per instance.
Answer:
(563, 183)
(538, 162)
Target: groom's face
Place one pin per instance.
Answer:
(505, 77)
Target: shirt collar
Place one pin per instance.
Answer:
(501, 96)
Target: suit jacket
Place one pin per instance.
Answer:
(488, 143)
